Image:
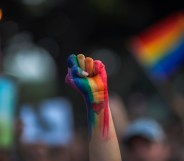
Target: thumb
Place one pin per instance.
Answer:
(78, 72)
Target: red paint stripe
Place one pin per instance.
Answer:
(162, 28)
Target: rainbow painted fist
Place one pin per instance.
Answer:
(89, 77)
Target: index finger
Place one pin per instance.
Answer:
(72, 61)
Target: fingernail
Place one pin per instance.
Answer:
(85, 73)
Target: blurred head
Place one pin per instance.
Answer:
(5, 155)
(36, 152)
(144, 140)
(79, 146)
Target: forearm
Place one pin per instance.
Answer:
(103, 140)
(89, 77)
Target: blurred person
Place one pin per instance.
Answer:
(79, 146)
(36, 152)
(119, 114)
(89, 77)
(145, 140)
(59, 153)
(5, 155)
(8, 103)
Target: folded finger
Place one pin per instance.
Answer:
(81, 61)
(72, 61)
(89, 65)
(78, 72)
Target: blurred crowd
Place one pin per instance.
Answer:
(141, 137)
(41, 119)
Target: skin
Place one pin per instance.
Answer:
(141, 149)
(89, 78)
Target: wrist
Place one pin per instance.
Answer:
(98, 119)
(98, 113)
(97, 100)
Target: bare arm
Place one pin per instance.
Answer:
(104, 146)
(89, 77)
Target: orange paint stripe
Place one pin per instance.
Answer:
(89, 65)
(99, 97)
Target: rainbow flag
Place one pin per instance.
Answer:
(160, 49)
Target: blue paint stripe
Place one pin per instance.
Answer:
(170, 62)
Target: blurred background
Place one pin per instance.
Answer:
(37, 36)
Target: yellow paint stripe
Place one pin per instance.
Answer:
(81, 61)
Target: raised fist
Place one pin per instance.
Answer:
(89, 77)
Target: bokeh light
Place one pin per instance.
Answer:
(1, 14)
(28, 62)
